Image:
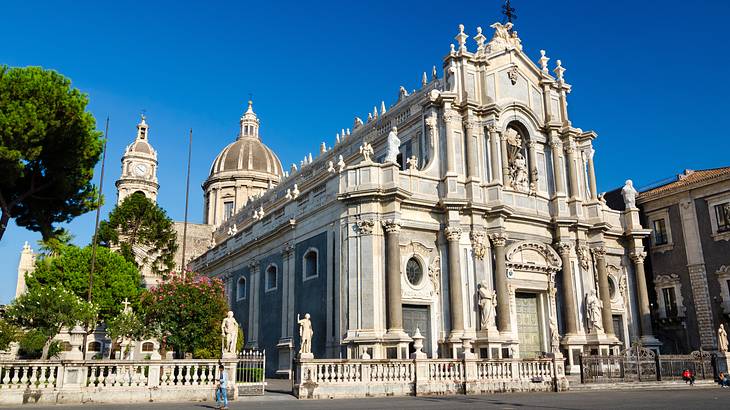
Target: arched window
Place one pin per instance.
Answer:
(311, 264)
(241, 288)
(94, 347)
(148, 347)
(414, 271)
(271, 277)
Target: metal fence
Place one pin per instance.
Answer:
(251, 373)
(637, 364)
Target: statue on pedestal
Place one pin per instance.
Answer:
(305, 334)
(722, 341)
(393, 147)
(593, 311)
(487, 304)
(229, 333)
(629, 194)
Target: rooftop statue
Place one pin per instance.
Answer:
(393, 148)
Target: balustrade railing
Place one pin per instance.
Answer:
(21, 374)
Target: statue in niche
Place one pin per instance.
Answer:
(229, 333)
(629, 194)
(305, 334)
(393, 147)
(722, 341)
(487, 304)
(593, 311)
(518, 171)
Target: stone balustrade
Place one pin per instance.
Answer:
(341, 378)
(111, 381)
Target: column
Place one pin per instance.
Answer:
(449, 117)
(592, 174)
(432, 132)
(569, 304)
(600, 254)
(494, 139)
(505, 164)
(638, 258)
(500, 282)
(573, 173)
(286, 259)
(392, 271)
(453, 234)
(557, 148)
(533, 164)
(472, 162)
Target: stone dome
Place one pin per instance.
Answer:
(141, 146)
(247, 154)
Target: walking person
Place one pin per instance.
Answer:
(221, 391)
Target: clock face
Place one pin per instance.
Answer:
(140, 169)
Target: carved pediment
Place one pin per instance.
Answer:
(533, 256)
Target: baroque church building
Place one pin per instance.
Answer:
(467, 210)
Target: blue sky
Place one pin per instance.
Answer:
(648, 77)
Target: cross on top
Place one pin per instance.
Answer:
(126, 304)
(509, 11)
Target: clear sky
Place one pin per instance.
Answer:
(650, 77)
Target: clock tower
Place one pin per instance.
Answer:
(139, 167)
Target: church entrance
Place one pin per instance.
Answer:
(417, 316)
(528, 324)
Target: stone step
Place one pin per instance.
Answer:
(668, 385)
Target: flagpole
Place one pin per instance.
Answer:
(187, 194)
(96, 226)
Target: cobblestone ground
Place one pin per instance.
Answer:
(710, 398)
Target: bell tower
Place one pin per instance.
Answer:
(139, 167)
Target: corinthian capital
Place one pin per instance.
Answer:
(498, 239)
(453, 233)
(431, 121)
(392, 225)
(492, 128)
(450, 115)
(470, 123)
(253, 264)
(564, 248)
(599, 252)
(638, 256)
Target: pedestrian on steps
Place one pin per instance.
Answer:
(689, 377)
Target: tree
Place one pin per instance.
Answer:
(53, 245)
(47, 309)
(127, 325)
(115, 279)
(48, 148)
(186, 311)
(8, 333)
(143, 233)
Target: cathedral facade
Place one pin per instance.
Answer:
(467, 210)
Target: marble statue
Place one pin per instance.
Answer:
(501, 31)
(520, 178)
(722, 341)
(366, 150)
(487, 304)
(554, 335)
(229, 333)
(305, 334)
(593, 311)
(629, 194)
(393, 147)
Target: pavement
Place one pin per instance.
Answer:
(684, 399)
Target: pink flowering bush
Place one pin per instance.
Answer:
(185, 311)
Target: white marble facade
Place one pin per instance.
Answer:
(493, 184)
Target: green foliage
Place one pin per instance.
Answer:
(239, 341)
(250, 374)
(53, 246)
(8, 334)
(32, 344)
(186, 313)
(139, 222)
(115, 279)
(126, 325)
(49, 308)
(48, 148)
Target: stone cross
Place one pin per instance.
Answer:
(126, 304)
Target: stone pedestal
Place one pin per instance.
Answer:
(722, 361)
(304, 356)
(286, 352)
(76, 339)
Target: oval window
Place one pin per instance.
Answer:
(414, 272)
